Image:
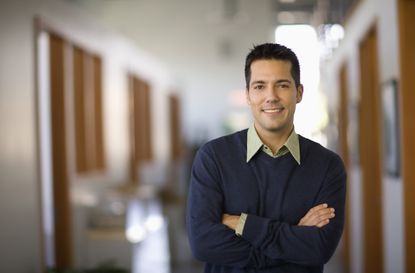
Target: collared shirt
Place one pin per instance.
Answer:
(254, 144)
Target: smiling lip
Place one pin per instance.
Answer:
(273, 110)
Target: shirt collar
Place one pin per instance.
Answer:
(254, 143)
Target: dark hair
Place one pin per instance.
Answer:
(270, 51)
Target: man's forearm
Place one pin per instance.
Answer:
(317, 216)
(292, 243)
(282, 242)
(217, 244)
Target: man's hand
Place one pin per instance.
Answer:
(231, 221)
(318, 216)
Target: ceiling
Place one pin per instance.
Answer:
(315, 12)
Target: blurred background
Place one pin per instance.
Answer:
(103, 104)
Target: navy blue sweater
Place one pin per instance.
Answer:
(275, 193)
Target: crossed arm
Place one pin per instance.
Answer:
(318, 216)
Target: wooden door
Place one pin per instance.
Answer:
(61, 198)
(140, 126)
(371, 153)
(406, 11)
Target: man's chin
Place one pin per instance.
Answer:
(277, 129)
(274, 129)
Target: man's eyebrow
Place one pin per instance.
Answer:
(278, 82)
(284, 81)
(258, 82)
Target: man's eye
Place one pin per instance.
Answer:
(258, 87)
(284, 86)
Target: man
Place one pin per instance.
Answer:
(266, 199)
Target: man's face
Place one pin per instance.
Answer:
(272, 96)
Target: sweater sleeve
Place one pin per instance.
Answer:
(303, 244)
(210, 240)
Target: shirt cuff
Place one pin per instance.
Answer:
(241, 224)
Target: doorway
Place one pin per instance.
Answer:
(370, 153)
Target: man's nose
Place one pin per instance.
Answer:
(272, 95)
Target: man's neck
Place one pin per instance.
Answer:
(274, 139)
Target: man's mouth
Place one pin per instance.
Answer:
(273, 110)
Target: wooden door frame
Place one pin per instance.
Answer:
(370, 139)
(61, 183)
(175, 128)
(344, 153)
(406, 10)
(62, 218)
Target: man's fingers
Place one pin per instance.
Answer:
(323, 223)
(319, 216)
(230, 221)
(312, 211)
(324, 217)
(316, 209)
(319, 207)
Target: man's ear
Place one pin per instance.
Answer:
(248, 101)
(300, 90)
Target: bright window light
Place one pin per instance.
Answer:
(311, 114)
(136, 215)
(135, 234)
(154, 223)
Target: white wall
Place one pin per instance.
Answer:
(384, 14)
(19, 212)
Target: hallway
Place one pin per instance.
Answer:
(103, 105)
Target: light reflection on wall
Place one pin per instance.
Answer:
(311, 115)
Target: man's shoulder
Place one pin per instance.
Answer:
(234, 141)
(235, 138)
(310, 148)
(318, 158)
